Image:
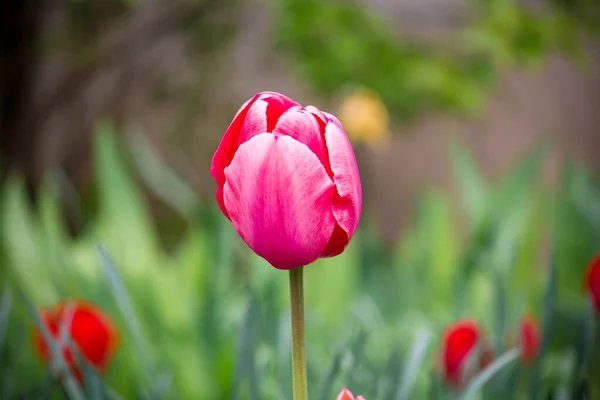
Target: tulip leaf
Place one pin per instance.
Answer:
(332, 373)
(585, 344)
(164, 182)
(127, 310)
(393, 366)
(5, 311)
(488, 373)
(412, 367)
(19, 234)
(547, 320)
(93, 383)
(500, 314)
(472, 186)
(245, 367)
(586, 196)
(124, 223)
(284, 345)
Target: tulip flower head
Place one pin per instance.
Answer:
(90, 330)
(288, 180)
(345, 394)
(592, 282)
(465, 352)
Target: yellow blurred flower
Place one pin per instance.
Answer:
(365, 118)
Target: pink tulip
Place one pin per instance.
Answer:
(345, 394)
(288, 181)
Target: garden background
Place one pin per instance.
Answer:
(479, 181)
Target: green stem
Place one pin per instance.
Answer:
(298, 346)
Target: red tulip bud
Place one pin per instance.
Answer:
(592, 281)
(90, 330)
(465, 351)
(530, 337)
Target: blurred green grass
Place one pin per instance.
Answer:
(207, 319)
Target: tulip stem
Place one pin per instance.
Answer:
(299, 381)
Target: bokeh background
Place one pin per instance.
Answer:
(476, 127)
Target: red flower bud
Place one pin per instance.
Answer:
(592, 281)
(90, 330)
(530, 337)
(461, 341)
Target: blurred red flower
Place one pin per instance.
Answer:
(91, 331)
(592, 281)
(345, 394)
(530, 337)
(462, 341)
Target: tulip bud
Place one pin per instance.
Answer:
(345, 394)
(530, 338)
(288, 180)
(90, 330)
(592, 282)
(465, 351)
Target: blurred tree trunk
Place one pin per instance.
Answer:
(19, 38)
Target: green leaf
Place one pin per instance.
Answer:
(500, 314)
(5, 310)
(164, 182)
(124, 224)
(471, 184)
(245, 366)
(127, 310)
(342, 272)
(19, 232)
(585, 345)
(332, 373)
(412, 367)
(488, 373)
(549, 305)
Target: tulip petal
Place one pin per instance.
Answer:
(347, 204)
(345, 394)
(277, 105)
(460, 341)
(279, 197)
(304, 127)
(92, 331)
(592, 281)
(337, 243)
(530, 338)
(252, 118)
(227, 149)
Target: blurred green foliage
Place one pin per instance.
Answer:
(209, 319)
(336, 44)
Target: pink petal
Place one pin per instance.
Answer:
(262, 116)
(318, 114)
(279, 197)
(278, 104)
(302, 125)
(252, 120)
(227, 149)
(360, 398)
(337, 242)
(345, 394)
(347, 204)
